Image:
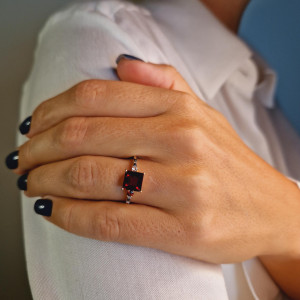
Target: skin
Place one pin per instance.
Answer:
(203, 194)
(228, 12)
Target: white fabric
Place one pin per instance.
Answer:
(82, 42)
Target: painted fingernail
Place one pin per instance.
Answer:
(12, 160)
(22, 182)
(25, 125)
(127, 56)
(43, 207)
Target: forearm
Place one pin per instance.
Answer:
(286, 273)
(285, 269)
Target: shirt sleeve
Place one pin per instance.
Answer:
(79, 43)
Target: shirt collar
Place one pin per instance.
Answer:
(211, 52)
(266, 85)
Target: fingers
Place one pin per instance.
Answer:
(116, 137)
(163, 76)
(135, 224)
(99, 178)
(102, 98)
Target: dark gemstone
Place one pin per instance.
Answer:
(25, 125)
(22, 182)
(12, 160)
(133, 181)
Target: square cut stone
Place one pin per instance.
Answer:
(133, 181)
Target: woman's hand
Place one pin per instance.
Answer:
(206, 195)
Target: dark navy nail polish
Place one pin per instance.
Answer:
(25, 125)
(12, 160)
(43, 207)
(22, 182)
(127, 56)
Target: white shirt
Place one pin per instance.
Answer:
(82, 42)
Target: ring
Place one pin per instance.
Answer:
(133, 181)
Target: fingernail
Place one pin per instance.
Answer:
(43, 207)
(22, 182)
(12, 160)
(25, 125)
(127, 56)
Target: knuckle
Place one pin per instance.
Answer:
(71, 133)
(189, 105)
(68, 218)
(38, 181)
(191, 187)
(186, 137)
(87, 92)
(186, 105)
(172, 74)
(203, 225)
(186, 99)
(171, 71)
(41, 113)
(106, 227)
(193, 146)
(210, 234)
(83, 175)
(200, 230)
(26, 155)
(192, 228)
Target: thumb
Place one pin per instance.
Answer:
(133, 69)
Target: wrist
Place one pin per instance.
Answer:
(285, 272)
(289, 222)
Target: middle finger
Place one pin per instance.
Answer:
(77, 136)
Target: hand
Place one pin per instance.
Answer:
(206, 195)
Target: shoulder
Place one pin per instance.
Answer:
(83, 40)
(97, 12)
(109, 23)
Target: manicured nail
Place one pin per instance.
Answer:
(12, 160)
(127, 56)
(43, 207)
(22, 182)
(25, 125)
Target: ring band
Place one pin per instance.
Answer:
(133, 181)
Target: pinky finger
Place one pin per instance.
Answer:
(134, 224)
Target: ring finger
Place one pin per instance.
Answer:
(100, 178)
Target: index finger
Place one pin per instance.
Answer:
(105, 98)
